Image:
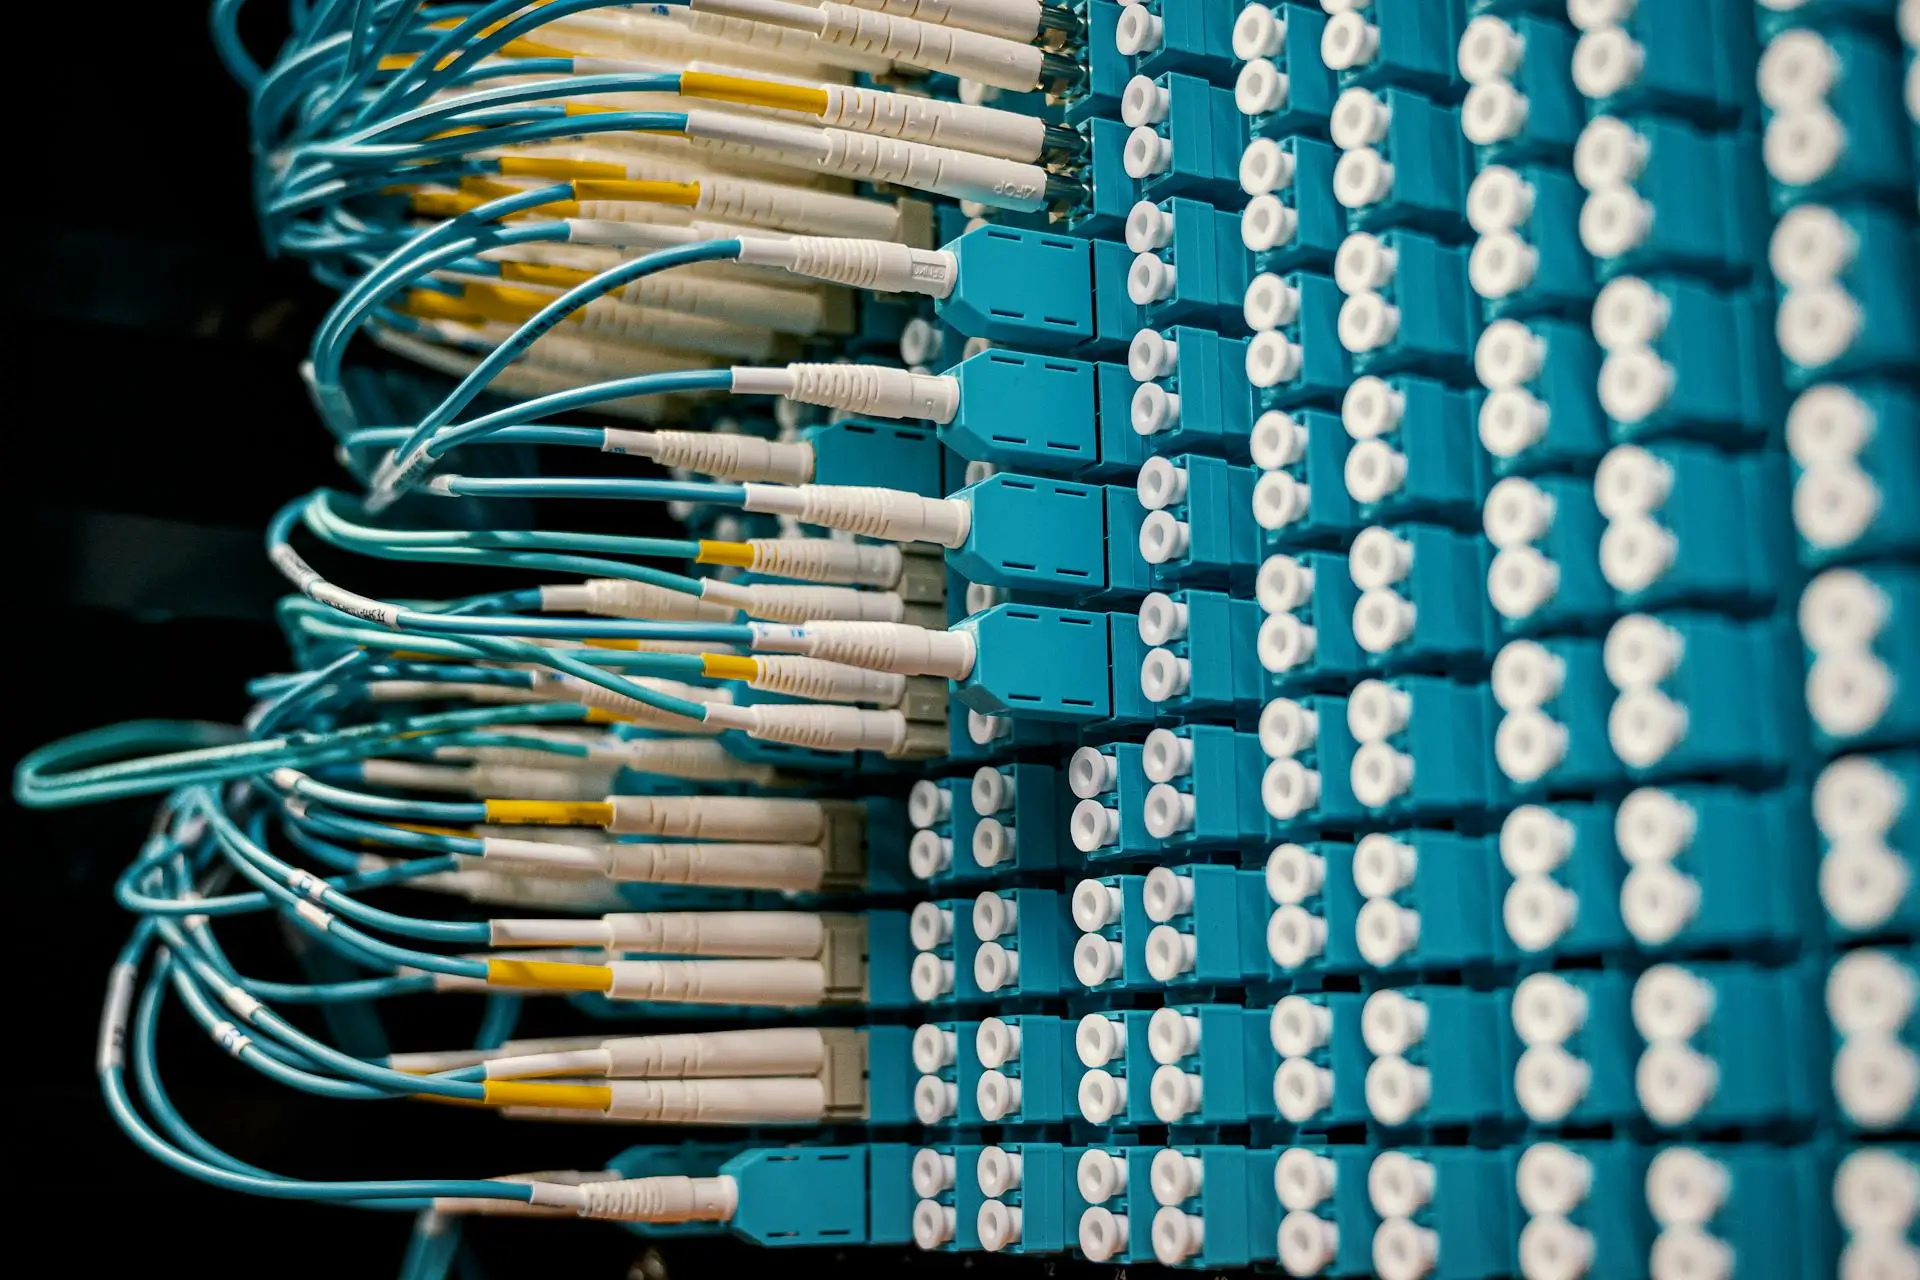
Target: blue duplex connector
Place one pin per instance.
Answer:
(1209, 927)
(1177, 35)
(1041, 291)
(1406, 462)
(1191, 268)
(1115, 1089)
(1025, 412)
(1404, 162)
(1844, 310)
(1566, 869)
(1299, 361)
(1040, 663)
(1306, 643)
(1545, 575)
(998, 822)
(1030, 1205)
(1023, 944)
(1714, 868)
(1665, 198)
(1555, 697)
(1586, 1199)
(1528, 259)
(1206, 788)
(1440, 1057)
(1688, 58)
(1034, 534)
(1722, 1201)
(1199, 529)
(1216, 1065)
(1301, 499)
(940, 972)
(1446, 1212)
(1687, 525)
(1835, 128)
(1203, 663)
(1024, 1076)
(1522, 105)
(1684, 360)
(1111, 914)
(1292, 223)
(1329, 1221)
(1432, 900)
(1408, 44)
(1870, 830)
(1580, 1048)
(1408, 307)
(1109, 784)
(1874, 1043)
(1704, 696)
(1423, 603)
(1019, 824)
(1311, 930)
(1320, 1084)
(1217, 1207)
(1873, 1239)
(1426, 749)
(1856, 454)
(1860, 665)
(1113, 1183)
(1700, 1022)
(1187, 137)
(1307, 788)
(1188, 394)
(1285, 87)
(1540, 413)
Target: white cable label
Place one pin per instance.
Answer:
(112, 1051)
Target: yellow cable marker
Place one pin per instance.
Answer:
(728, 666)
(548, 975)
(547, 274)
(737, 554)
(754, 93)
(532, 1093)
(646, 191)
(614, 642)
(550, 813)
(559, 167)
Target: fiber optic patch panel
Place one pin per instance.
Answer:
(1313, 667)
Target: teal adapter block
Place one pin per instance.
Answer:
(1022, 289)
(1409, 307)
(1566, 869)
(1872, 660)
(1301, 363)
(1109, 783)
(1684, 360)
(1432, 902)
(1189, 394)
(1869, 829)
(1216, 1206)
(1203, 663)
(1307, 786)
(1529, 259)
(1409, 43)
(1024, 1078)
(1293, 223)
(1703, 1020)
(1111, 914)
(1406, 162)
(1199, 528)
(1440, 1057)
(1186, 141)
(1183, 35)
(1301, 501)
(1406, 462)
(1311, 933)
(1019, 830)
(1540, 414)
(1426, 749)
(1555, 699)
(1208, 928)
(1881, 336)
(858, 451)
(1293, 93)
(1328, 1223)
(1192, 268)
(1306, 644)
(1576, 1070)
(1216, 1065)
(1320, 1086)
(1031, 1205)
(1876, 450)
(1041, 663)
(1521, 107)
(1033, 534)
(1458, 1212)
(1545, 576)
(1873, 160)
(1588, 1193)
(1024, 948)
(1694, 61)
(1206, 787)
(1025, 412)
(1423, 604)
